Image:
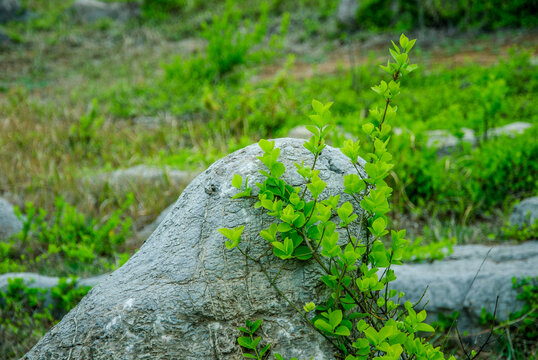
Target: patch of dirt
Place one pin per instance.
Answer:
(448, 51)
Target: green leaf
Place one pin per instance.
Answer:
(266, 146)
(323, 325)
(256, 325)
(245, 342)
(249, 356)
(317, 106)
(278, 357)
(335, 318)
(404, 41)
(303, 253)
(309, 306)
(237, 181)
(425, 327)
(264, 350)
(278, 169)
(234, 235)
(255, 342)
(342, 331)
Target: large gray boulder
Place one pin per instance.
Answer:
(93, 10)
(183, 294)
(525, 213)
(9, 223)
(451, 287)
(10, 10)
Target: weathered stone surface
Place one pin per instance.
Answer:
(451, 287)
(93, 10)
(525, 213)
(10, 10)
(9, 223)
(183, 294)
(347, 12)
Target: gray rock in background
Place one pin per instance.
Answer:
(10, 10)
(93, 10)
(37, 281)
(511, 129)
(449, 281)
(9, 223)
(33, 280)
(183, 294)
(525, 213)
(446, 142)
(347, 13)
(138, 176)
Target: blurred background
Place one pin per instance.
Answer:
(109, 108)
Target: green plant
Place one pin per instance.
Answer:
(519, 332)
(84, 132)
(362, 318)
(69, 242)
(250, 343)
(26, 313)
(521, 233)
(416, 251)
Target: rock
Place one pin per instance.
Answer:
(10, 10)
(525, 213)
(9, 223)
(512, 129)
(37, 281)
(299, 132)
(93, 10)
(123, 180)
(183, 294)
(347, 13)
(450, 281)
(445, 142)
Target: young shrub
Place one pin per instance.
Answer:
(363, 317)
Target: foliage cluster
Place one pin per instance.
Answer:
(362, 318)
(26, 313)
(490, 14)
(521, 233)
(69, 243)
(519, 334)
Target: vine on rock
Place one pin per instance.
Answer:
(363, 318)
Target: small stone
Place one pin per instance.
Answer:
(9, 223)
(93, 10)
(525, 213)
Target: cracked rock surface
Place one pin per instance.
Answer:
(183, 294)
